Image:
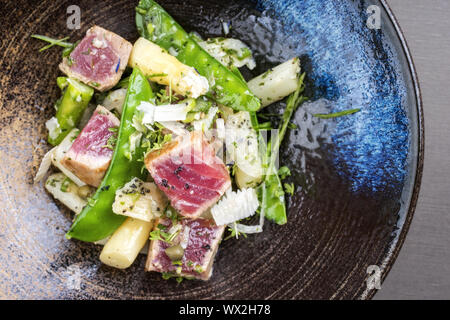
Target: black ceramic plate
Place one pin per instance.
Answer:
(357, 177)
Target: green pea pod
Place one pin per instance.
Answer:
(70, 107)
(97, 221)
(155, 24)
(274, 202)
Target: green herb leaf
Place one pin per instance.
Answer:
(91, 202)
(53, 42)
(289, 188)
(65, 185)
(111, 142)
(284, 172)
(336, 114)
(154, 75)
(234, 234)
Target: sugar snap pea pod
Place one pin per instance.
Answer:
(273, 198)
(156, 25)
(70, 107)
(97, 221)
(274, 202)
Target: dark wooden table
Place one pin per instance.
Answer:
(422, 270)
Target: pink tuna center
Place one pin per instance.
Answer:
(92, 62)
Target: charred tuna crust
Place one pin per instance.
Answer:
(189, 173)
(91, 152)
(99, 59)
(201, 239)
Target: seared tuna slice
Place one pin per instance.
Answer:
(99, 59)
(189, 173)
(92, 150)
(199, 240)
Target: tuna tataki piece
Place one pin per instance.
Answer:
(188, 171)
(91, 152)
(197, 240)
(99, 59)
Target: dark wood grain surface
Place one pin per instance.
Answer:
(422, 270)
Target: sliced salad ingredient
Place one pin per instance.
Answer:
(115, 99)
(91, 152)
(46, 162)
(163, 68)
(192, 249)
(122, 248)
(230, 52)
(98, 60)
(177, 128)
(235, 206)
(139, 200)
(97, 221)
(151, 113)
(69, 109)
(64, 190)
(156, 25)
(276, 83)
(60, 152)
(243, 149)
(206, 123)
(189, 173)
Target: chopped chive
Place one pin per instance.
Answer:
(65, 185)
(52, 42)
(336, 114)
(157, 75)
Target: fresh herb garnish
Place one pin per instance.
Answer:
(160, 235)
(168, 275)
(284, 172)
(162, 227)
(154, 75)
(177, 263)
(336, 114)
(155, 140)
(292, 125)
(52, 182)
(91, 202)
(52, 42)
(111, 142)
(67, 51)
(198, 269)
(244, 53)
(69, 61)
(289, 188)
(65, 185)
(234, 233)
